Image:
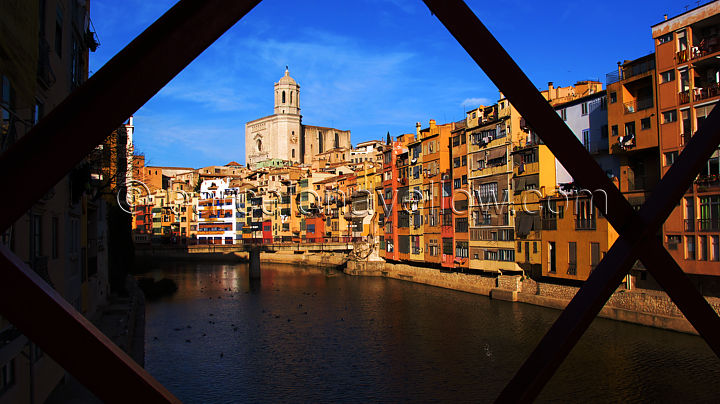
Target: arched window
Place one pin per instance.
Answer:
(291, 97)
(293, 153)
(283, 97)
(337, 140)
(259, 145)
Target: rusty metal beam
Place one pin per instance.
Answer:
(637, 230)
(57, 144)
(70, 339)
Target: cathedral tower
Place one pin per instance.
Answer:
(287, 95)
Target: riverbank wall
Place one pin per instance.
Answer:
(645, 307)
(313, 259)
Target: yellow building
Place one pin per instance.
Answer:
(574, 237)
(491, 132)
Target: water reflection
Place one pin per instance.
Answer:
(315, 335)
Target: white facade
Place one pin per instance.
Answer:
(217, 212)
(587, 118)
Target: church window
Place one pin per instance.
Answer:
(320, 142)
(291, 97)
(293, 153)
(259, 145)
(283, 97)
(337, 140)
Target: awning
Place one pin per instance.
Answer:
(496, 153)
(523, 224)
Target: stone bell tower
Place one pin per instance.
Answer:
(287, 95)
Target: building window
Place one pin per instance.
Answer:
(629, 129)
(604, 131)
(7, 376)
(645, 124)
(668, 76)
(614, 130)
(563, 114)
(283, 97)
(673, 241)
(293, 153)
(584, 107)
(689, 247)
(461, 249)
(594, 255)
(703, 248)
(714, 248)
(572, 258)
(669, 116)
(665, 38)
(613, 97)
(670, 157)
(586, 138)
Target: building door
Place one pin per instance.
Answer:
(551, 256)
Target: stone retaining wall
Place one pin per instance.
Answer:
(645, 307)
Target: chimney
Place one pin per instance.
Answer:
(432, 123)
(418, 126)
(665, 17)
(550, 90)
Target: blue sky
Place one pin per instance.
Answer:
(370, 66)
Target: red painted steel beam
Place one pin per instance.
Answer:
(57, 144)
(490, 56)
(71, 340)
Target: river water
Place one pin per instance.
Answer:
(307, 334)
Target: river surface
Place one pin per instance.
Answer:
(311, 335)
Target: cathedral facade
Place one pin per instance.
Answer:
(282, 135)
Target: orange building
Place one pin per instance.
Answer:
(460, 196)
(633, 126)
(687, 58)
(436, 166)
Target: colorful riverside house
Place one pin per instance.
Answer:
(687, 58)
(309, 200)
(436, 166)
(415, 180)
(536, 172)
(401, 205)
(575, 237)
(395, 161)
(216, 212)
(633, 122)
(460, 196)
(491, 132)
(633, 134)
(363, 213)
(142, 223)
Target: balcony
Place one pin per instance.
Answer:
(707, 182)
(689, 225)
(637, 105)
(585, 223)
(682, 56)
(702, 93)
(712, 224)
(684, 97)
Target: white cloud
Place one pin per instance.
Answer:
(475, 102)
